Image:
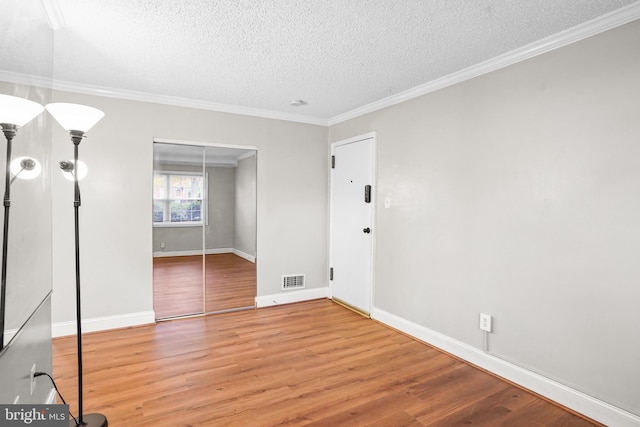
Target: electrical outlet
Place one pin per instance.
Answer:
(163, 245)
(485, 322)
(32, 378)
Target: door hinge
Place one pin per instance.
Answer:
(333, 162)
(331, 273)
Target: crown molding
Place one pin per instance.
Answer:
(590, 28)
(130, 95)
(25, 79)
(184, 102)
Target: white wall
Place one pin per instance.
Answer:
(219, 233)
(245, 206)
(116, 246)
(518, 194)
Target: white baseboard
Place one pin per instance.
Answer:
(61, 329)
(162, 254)
(207, 251)
(571, 398)
(288, 297)
(219, 251)
(245, 255)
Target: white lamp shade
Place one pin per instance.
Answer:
(83, 170)
(18, 170)
(18, 111)
(75, 116)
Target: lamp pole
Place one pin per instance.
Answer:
(76, 138)
(9, 131)
(91, 420)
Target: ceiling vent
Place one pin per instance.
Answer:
(293, 281)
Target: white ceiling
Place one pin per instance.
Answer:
(258, 55)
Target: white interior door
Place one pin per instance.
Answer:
(352, 208)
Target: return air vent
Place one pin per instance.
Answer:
(293, 281)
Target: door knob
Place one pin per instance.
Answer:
(367, 230)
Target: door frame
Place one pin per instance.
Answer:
(373, 136)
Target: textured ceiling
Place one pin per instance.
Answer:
(337, 55)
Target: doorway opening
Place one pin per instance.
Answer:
(204, 228)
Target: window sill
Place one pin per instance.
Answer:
(177, 224)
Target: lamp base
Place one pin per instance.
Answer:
(90, 420)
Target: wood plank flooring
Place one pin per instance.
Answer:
(230, 282)
(178, 284)
(307, 364)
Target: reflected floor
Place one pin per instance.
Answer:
(178, 284)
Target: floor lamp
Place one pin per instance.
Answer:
(14, 113)
(77, 120)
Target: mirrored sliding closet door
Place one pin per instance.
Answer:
(204, 229)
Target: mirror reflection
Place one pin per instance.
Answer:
(26, 215)
(204, 229)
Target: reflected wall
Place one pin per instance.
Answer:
(25, 33)
(27, 334)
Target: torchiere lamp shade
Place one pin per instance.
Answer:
(75, 117)
(70, 168)
(25, 168)
(18, 111)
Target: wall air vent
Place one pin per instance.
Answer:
(293, 281)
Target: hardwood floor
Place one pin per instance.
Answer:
(178, 284)
(230, 282)
(307, 364)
